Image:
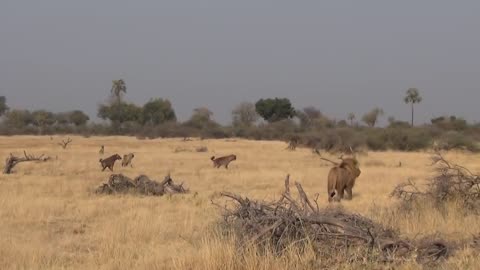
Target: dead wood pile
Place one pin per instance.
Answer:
(118, 183)
(334, 235)
(452, 182)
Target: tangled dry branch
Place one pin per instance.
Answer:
(334, 235)
(118, 183)
(451, 182)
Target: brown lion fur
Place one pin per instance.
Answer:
(342, 178)
(109, 162)
(223, 161)
(127, 160)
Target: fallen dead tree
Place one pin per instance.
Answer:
(12, 161)
(118, 183)
(334, 235)
(452, 182)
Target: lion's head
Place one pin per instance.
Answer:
(351, 164)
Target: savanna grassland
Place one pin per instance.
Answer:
(52, 219)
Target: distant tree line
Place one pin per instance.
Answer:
(266, 119)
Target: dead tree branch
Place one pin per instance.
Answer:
(332, 233)
(451, 182)
(64, 144)
(12, 161)
(328, 160)
(294, 220)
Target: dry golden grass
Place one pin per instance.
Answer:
(51, 219)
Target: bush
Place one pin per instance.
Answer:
(215, 133)
(168, 130)
(456, 140)
(277, 130)
(452, 183)
(312, 129)
(408, 139)
(376, 140)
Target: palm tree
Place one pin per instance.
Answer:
(412, 97)
(118, 87)
(351, 117)
(3, 105)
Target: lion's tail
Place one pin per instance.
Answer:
(212, 158)
(332, 182)
(101, 160)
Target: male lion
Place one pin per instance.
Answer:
(223, 161)
(127, 160)
(342, 178)
(109, 162)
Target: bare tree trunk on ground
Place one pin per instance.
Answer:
(12, 161)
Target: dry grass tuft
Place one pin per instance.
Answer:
(374, 163)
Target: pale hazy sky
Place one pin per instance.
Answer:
(339, 56)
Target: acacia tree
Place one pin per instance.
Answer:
(412, 97)
(42, 119)
(158, 111)
(201, 119)
(244, 114)
(120, 113)
(273, 110)
(77, 118)
(18, 118)
(308, 115)
(371, 117)
(62, 118)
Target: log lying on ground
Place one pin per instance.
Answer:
(118, 183)
(334, 235)
(12, 161)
